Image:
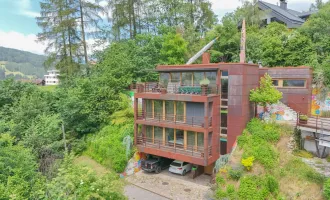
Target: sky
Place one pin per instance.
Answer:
(18, 28)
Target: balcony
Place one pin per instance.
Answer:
(177, 147)
(172, 119)
(177, 88)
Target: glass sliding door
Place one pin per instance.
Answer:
(200, 141)
(149, 110)
(175, 77)
(169, 110)
(149, 133)
(190, 140)
(180, 115)
(158, 110)
(158, 134)
(169, 136)
(179, 138)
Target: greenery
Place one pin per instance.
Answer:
(297, 138)
(266, 93)
(204, 82)
(303, 117)
(235, 174)
(303, 153)
(327, 189)
(248, 162)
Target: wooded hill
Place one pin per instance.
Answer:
(20, 64)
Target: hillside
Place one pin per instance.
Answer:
(20, 64)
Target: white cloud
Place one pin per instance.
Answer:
(20, 41)
(24, 8)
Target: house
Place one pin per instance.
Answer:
(52, 77)
(179, 119)
(282, 14)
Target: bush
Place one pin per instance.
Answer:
(235, 174)
(267, 131)
(326, 189)
(272, 184)
(252, 188)
(248, 162)
(297, 138)
(303, 117)
(220, 180)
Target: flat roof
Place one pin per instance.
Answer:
(200, 67)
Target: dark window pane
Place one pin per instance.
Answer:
(224, 73)
(187, 78)
(175, 77)
(293, 83)
(275, 82)
(164, 79)
(198, 76)
(223, 147)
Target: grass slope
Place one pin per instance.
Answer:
(276, 173)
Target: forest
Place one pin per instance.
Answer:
(89, 113)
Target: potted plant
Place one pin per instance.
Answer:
(303, 119)
(204, 86)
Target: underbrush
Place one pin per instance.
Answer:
(107, 146)
(263, 174)
(302, 153)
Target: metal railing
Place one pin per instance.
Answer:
(194, 121)
(189, 150)
(177, 88)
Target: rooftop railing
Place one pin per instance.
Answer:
(175, 147)
(193, 121)
(177, 88)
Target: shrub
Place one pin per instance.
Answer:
(272, 184)
(252, 188)
(231, 193)
(248, 162)
(303, 117)
(267, 131)
(235, 174)
(326, 189)
(297, 138)
(220, 180)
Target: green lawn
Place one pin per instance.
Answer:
(49, 88)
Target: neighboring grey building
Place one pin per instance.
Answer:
(281, 13)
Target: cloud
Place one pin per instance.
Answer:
(20, 41)
(25, 8)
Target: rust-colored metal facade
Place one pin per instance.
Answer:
(299, 99)
(241, 79)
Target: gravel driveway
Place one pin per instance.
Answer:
(169, 185)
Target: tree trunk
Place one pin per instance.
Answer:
(83, 31)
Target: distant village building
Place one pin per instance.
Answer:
(282, 14)
(52, 77)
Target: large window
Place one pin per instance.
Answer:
(158, 109)
(186, 78)
(164, 78)
(175, 77)
(180, 116)
(198, 76)
(190, 139)
(149, 133)
(293, 83)
(169, 134)
(169, 110)
(158, 133)
(149, 108)
(289, 83)
(200, 139)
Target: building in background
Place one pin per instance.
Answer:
(282, 14)
(52, 78)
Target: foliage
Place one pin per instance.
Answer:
(204, 82)
(235, 174)
(303, 117)
(303, 153)
(272, 184)
(74, 181)
(252, 187)
(305, 172)
(326, 189)
(173, 50)
(257, 144)
(267, 131)
(297, 138)
(248, 162)
(220, 180)
(19, 178)
(266, 93)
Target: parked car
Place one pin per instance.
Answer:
(155, 164)
(180, 167)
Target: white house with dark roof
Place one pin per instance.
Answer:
(282, 14)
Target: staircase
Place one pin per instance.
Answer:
(283, 112)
